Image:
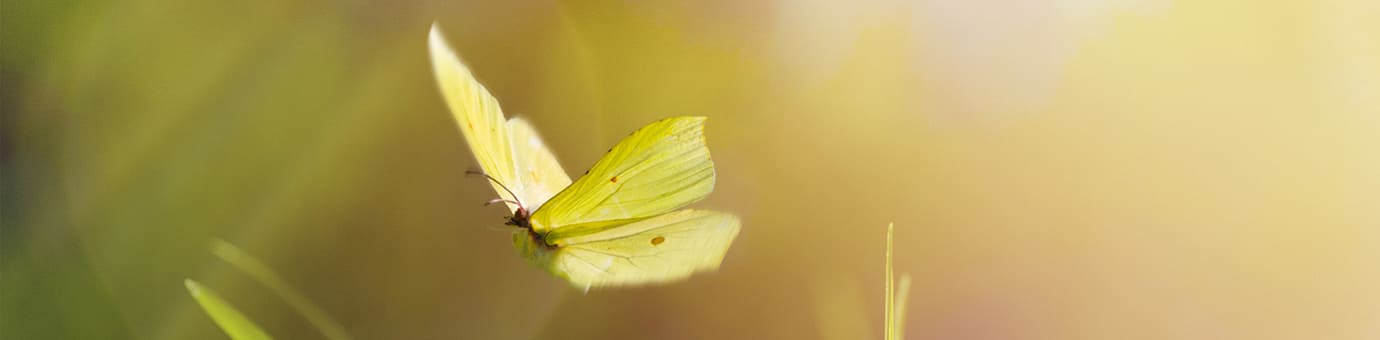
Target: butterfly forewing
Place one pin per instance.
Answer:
(657, 169)
(510, 152)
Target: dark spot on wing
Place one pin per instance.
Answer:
(658, 240)
(614, 179)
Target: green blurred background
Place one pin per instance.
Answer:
(1071, 169)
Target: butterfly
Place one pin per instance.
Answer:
(618, 224)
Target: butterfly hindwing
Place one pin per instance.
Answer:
(539, 174)
(661, 249)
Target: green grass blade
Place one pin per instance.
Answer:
(261, 273)
(890, 329)
(895, 296)
(902, 294)
(230, 320)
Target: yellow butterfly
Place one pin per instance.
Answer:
(615, 226)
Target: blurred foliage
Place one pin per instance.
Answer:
(261, 273)
(1070, 169)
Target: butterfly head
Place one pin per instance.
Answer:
(521, 218)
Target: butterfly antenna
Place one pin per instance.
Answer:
(500, 200)
(500, 185)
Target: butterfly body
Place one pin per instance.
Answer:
(620, 223)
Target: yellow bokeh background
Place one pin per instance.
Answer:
(1067, 169)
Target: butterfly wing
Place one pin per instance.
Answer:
(540, 176)
(661, 249)
(659, 168)
(509, 151)
(599, 234)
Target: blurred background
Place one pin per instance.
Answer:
(1066, 169)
